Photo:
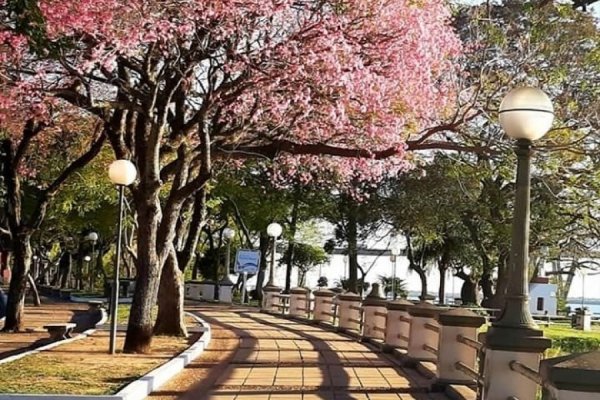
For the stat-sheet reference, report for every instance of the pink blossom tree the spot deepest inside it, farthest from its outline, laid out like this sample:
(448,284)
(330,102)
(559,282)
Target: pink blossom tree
(343,86)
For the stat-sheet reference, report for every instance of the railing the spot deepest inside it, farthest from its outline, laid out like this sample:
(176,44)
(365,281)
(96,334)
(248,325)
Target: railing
(527,372)
(430,349)
(432,327)
(284,302)
(470,372)
(474,344)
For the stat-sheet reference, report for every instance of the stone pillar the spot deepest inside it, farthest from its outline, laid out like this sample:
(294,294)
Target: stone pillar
(374,314)
(349,312)
(397,326)
(208,290)
(424,332)
(504,347)
(269,303)
(457,327)
(193,290)
(572,377)
(323,310)
(299,302)
(225,290)
(583,319)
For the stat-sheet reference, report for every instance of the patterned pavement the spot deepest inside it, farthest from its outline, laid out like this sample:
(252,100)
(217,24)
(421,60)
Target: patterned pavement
(263,357)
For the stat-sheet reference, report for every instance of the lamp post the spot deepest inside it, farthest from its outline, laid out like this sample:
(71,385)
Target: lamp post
(395,252)
(526,114)
(273,230)
(121,173)
(35,266)
(228,234)
(87,260)
(93,238)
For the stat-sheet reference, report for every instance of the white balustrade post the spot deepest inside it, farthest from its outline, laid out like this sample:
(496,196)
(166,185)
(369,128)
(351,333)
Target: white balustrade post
(572,377)
(457,343)
(299,302)
(349,312)
(424,332)
(323,307)
(374,315)
(397,327)
(270,299)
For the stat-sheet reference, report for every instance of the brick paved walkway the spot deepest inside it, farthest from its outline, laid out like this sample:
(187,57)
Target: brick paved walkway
(262,357)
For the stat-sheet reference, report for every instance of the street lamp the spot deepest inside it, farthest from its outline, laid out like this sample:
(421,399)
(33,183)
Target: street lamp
(273,230)
(93,238)
(35,266)
(228,234)
(526,114)
(121,173)
(395,252)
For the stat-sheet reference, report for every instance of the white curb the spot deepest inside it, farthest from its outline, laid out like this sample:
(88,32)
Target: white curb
(141,388)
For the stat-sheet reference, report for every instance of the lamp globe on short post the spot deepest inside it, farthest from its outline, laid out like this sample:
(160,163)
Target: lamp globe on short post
(395,252)
(274,230)
(526,114)
(121,173)
(93,238)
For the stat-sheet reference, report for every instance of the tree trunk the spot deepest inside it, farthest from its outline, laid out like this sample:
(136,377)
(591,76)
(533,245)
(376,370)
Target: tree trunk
(468,292)
(140,326)
(423,278)
(352,238)
(264,247)
(290,253)
(18,284)
(442,288)
(171,319)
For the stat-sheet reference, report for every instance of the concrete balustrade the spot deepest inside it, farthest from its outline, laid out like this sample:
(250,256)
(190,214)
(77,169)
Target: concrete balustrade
(349,312)
(207,290)
(270,299)
(424,332)
(457,343)
(299,302)
(193,290)
(397,326)
(226,290)
(374,315)
(572,377)
(323,305)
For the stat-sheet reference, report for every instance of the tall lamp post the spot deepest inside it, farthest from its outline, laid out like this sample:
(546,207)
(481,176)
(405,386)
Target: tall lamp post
(395,252)
(526,114)
(121,173)
(273,230)
(228,234)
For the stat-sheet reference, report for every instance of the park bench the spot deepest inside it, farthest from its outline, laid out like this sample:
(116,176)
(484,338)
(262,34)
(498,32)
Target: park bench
(60,331)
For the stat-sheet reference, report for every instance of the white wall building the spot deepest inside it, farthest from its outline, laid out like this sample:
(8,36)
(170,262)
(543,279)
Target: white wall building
(542,297)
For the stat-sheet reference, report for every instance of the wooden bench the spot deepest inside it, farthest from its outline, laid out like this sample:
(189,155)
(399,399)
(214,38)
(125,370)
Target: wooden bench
(60,331)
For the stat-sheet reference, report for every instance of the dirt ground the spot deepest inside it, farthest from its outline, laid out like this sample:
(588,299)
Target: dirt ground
(83,366)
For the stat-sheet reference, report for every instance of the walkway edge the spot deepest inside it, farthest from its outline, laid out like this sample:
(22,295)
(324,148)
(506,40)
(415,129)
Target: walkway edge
(150,382)
(84,334)
(141,388)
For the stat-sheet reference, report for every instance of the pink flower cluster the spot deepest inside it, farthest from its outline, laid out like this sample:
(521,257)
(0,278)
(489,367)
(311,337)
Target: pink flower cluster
(351,74)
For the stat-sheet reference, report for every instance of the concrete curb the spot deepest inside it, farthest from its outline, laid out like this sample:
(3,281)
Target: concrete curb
(84,334)
(141,388)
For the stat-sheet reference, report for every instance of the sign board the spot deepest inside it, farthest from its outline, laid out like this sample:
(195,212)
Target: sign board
(247,261)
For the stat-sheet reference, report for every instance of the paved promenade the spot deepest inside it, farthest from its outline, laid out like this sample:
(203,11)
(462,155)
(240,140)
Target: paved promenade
(262,357)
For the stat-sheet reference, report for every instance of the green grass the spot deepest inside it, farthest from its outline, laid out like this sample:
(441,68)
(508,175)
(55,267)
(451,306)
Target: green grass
(567,340)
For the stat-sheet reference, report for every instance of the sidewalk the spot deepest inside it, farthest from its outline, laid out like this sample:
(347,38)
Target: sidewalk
(262,357)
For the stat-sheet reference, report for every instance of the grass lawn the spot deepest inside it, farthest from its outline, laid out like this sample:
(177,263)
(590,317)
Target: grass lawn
(84,367)
(566,340)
